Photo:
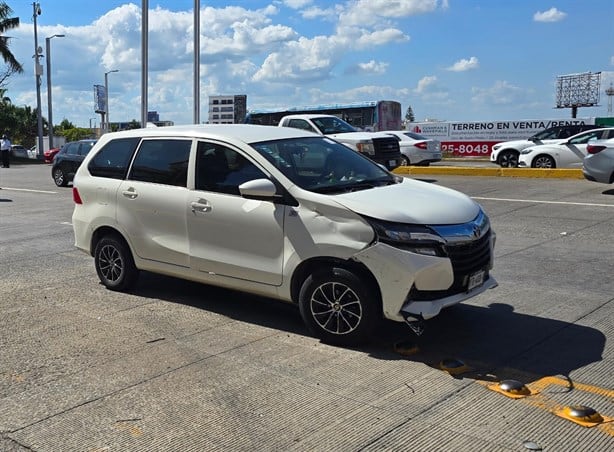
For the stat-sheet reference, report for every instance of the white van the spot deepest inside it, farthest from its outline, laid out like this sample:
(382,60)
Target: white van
(284,213)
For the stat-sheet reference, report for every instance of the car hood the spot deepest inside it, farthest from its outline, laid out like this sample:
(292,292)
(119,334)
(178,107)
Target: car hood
(525,143)
(552,147)
(412,202)
(352,135)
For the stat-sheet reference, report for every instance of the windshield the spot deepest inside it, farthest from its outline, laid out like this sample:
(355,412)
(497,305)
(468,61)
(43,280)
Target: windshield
(329,125)
(415,136)
(323,165)
(548,134)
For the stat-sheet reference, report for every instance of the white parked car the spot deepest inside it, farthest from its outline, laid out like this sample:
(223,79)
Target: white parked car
(416,149)
(507,153)
(284,213)
(565,154)
(598,165)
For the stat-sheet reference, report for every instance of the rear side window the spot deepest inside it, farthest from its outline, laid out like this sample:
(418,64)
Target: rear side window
(86,147)
(113,159)
(162,162)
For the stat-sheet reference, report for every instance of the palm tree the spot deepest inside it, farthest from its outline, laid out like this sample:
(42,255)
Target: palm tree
(8,23)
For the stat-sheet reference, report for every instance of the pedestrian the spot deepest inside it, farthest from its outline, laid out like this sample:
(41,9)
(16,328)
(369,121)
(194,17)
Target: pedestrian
(5,150)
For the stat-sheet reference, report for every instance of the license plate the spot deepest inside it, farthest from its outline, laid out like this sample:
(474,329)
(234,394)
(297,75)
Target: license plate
(392,163)
(475,280)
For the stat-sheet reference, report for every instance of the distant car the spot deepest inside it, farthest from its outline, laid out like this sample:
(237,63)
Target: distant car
(17,150)
(49,154)
(416,149)
(598,165)
(565,154)
(68,160)
(507,153)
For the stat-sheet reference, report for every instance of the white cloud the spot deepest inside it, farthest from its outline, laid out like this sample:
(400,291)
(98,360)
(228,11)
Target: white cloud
(552,15)
(501,93)
(464,65)
(319,13)
(296,4)
(371,12)
(370,68)
(424,83)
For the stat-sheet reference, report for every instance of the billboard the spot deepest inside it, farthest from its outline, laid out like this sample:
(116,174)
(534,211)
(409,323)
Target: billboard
(100,99)
(476,138)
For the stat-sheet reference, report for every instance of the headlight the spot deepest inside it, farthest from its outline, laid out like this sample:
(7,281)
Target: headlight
(496,147)
(366,148)
(411,237)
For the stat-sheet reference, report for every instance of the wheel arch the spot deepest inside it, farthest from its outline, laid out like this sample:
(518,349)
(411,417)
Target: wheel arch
(500,152)
(554,162)
(308,267)
(104,231)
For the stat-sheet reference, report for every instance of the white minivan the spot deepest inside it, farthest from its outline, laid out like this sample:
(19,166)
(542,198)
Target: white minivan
(284,213)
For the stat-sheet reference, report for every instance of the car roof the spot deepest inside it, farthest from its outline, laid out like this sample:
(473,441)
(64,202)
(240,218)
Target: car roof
(246,133)
(310,116)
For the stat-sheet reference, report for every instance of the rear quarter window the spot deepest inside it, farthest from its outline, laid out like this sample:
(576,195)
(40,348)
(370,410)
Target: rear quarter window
(113,158)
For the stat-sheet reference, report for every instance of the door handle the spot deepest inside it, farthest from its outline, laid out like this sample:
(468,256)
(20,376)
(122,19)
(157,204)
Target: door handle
(130,193)
(200,207)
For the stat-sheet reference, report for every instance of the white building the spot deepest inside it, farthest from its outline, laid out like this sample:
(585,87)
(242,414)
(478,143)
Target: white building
(227,109)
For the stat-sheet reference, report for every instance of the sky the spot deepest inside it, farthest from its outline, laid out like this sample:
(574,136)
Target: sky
(454,60)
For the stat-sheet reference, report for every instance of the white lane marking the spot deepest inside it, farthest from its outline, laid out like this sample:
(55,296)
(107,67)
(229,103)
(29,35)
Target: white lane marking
(28,190)
(530,201)
(67,223)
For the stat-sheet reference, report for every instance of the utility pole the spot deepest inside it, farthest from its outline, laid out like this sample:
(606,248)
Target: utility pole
(38,71)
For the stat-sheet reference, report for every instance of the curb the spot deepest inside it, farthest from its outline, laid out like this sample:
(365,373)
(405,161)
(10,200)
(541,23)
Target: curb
(562,173)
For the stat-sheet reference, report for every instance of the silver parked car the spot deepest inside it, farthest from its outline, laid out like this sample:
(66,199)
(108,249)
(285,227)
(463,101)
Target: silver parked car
(598,165)
(416,149)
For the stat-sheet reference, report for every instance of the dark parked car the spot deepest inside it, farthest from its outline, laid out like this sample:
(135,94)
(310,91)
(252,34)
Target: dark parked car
(68,160)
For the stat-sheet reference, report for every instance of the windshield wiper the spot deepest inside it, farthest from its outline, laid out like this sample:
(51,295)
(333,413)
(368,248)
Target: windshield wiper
(354,186)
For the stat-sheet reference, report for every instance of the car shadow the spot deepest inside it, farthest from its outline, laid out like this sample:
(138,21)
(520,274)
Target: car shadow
(609,192)
(494,342)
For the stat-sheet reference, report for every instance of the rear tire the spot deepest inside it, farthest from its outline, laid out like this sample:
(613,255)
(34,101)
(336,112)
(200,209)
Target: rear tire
(59,177)
(543,161)
(338,307)
(114,264)
(508,159)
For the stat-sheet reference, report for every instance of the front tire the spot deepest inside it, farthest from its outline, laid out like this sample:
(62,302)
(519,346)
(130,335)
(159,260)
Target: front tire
(404,161)
(59,177)
(114,264)
(543,161)
(338,307)
(508,159)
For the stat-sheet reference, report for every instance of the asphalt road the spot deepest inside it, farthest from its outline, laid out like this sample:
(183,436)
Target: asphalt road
(176,365)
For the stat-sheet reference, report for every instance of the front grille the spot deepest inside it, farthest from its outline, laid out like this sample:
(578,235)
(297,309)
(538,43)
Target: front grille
(469,257)
(466,258)
(386,148)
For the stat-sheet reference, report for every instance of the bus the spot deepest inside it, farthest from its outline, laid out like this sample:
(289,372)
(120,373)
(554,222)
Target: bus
(371,116)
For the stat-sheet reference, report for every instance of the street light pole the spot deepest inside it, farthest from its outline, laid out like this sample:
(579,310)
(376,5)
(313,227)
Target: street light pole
(106,94)
(196,61)
(38,71)
(49,109)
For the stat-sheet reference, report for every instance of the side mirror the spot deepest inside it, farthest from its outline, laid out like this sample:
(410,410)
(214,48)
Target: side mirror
(258,189)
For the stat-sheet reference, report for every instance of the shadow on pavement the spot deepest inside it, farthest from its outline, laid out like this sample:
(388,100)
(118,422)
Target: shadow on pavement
(496,342)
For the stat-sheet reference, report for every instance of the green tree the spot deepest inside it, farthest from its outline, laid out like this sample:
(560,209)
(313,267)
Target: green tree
(76,133)
(409,115)
(7,23)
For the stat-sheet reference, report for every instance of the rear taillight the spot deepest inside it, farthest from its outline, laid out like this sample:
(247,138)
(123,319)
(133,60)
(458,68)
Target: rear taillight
(75,196)
(594,148)
(421,144)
